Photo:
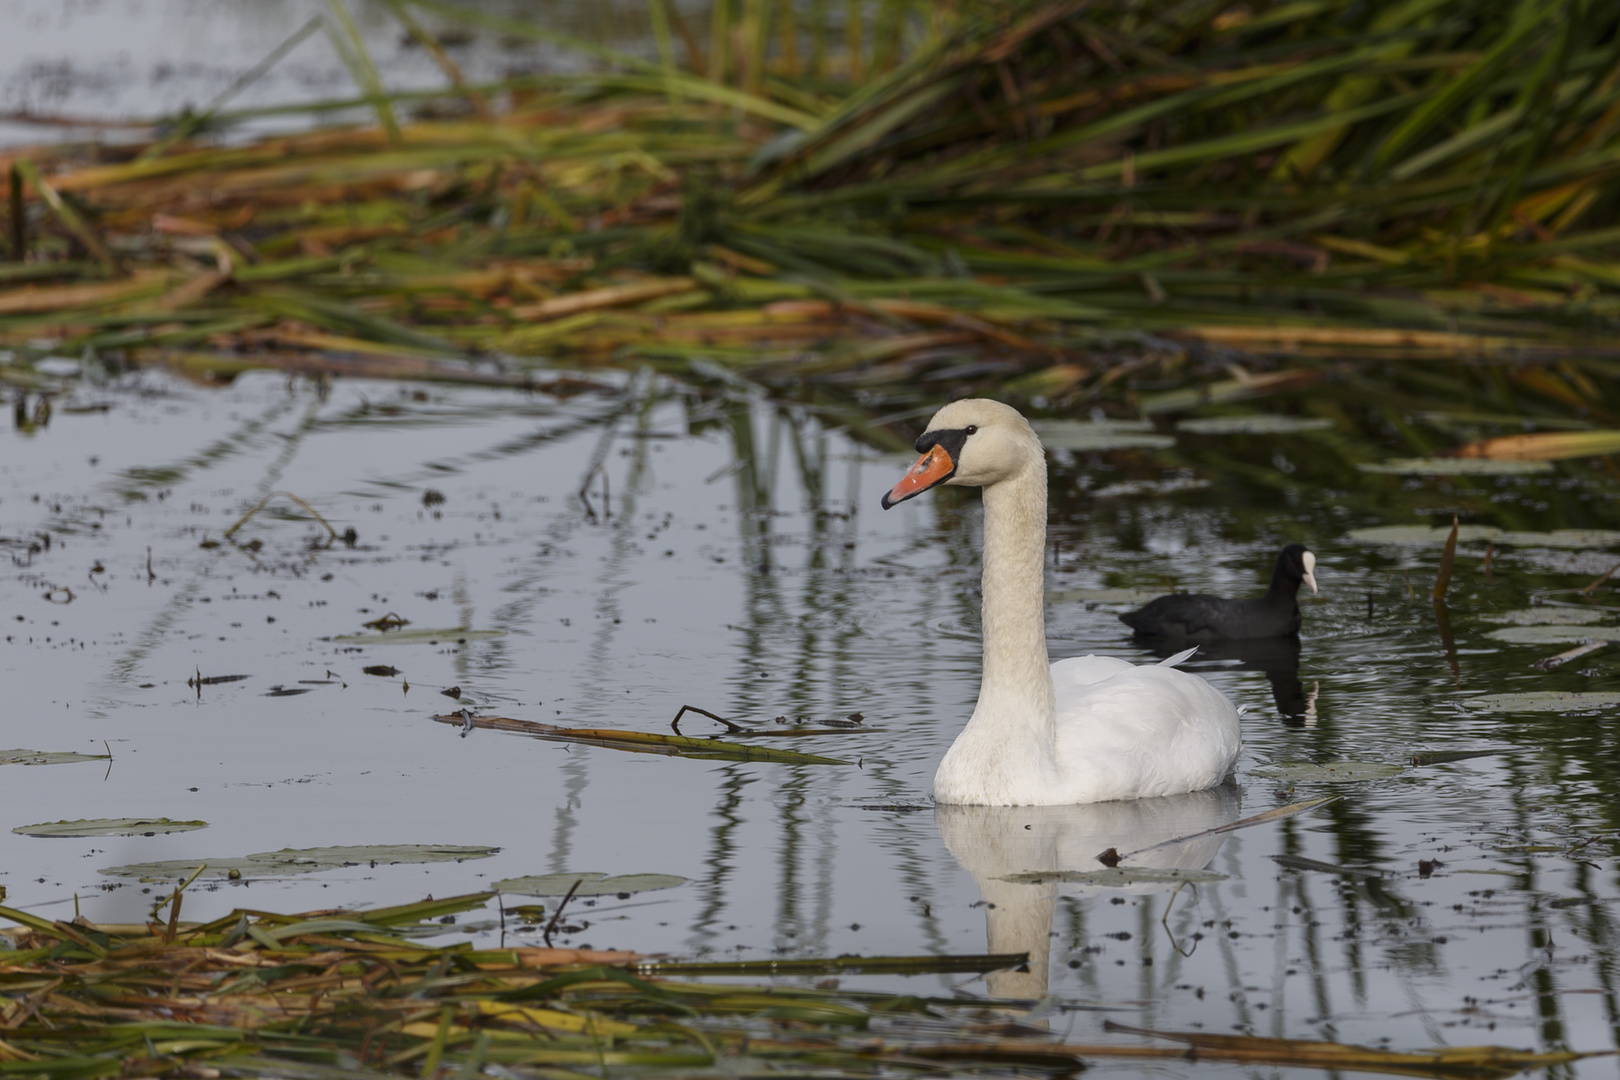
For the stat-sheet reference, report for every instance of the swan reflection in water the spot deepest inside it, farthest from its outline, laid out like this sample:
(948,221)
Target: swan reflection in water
(994,843)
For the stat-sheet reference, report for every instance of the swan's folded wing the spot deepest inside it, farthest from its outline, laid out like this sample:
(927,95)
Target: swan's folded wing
(1145,731)
(1086,670)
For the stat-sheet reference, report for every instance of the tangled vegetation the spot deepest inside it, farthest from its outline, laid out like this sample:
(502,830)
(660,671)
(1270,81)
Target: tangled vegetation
(1061,200)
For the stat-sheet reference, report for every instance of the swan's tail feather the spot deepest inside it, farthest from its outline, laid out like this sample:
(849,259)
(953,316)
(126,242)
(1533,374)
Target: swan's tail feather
(1172,661)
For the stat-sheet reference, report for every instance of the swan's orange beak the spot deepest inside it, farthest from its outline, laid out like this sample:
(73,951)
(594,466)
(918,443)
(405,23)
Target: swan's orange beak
(932,468)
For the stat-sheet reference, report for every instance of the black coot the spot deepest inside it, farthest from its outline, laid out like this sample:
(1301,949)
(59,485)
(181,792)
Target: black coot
(1195,618)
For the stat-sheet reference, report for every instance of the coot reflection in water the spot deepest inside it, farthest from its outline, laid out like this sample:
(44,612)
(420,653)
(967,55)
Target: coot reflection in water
(1277,657)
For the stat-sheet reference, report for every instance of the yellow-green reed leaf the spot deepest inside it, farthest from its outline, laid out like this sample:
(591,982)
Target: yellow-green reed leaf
(351,49)
(1304,158)
(866,135)
(423,910)
(1454,89)
(33,922)
(1246,142)
(65,213)
(1544,446)
(47,757)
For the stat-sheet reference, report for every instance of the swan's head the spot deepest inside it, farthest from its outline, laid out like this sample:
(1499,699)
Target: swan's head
(974,442)
(1297,563)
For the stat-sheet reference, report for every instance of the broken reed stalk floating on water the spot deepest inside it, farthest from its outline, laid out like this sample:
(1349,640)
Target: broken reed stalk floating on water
(1002,196)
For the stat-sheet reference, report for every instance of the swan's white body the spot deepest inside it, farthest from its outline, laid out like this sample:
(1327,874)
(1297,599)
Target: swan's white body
(1088,729)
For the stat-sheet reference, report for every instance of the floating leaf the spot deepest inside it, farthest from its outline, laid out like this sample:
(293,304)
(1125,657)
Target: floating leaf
(590,884)
(1454,467)
(1543,446)
(1149,487)
(1554,635)
(454,635)
(1114,877)
(1311,772)
(110,827)
(47,757)
(1421,534)
(1546,616)
(1256,424)
(289,861)
(1562,538)
(1101,435)
(1561,701)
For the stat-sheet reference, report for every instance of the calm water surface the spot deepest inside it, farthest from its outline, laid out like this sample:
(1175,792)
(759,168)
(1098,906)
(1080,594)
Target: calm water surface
(68,67)
(730,553)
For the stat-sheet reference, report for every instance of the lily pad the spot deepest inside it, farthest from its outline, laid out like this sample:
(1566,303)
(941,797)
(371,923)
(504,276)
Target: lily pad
(1149,487)
(1554,635)
(47,757)
(455,635)
(1422,534)
(1118,876)
(1544,701)
(1563,538)
(590,884)
(1547,616)
(1455,467)
(1255,424)
(1101,435)
(127,826)
(289,861)
(1312,772)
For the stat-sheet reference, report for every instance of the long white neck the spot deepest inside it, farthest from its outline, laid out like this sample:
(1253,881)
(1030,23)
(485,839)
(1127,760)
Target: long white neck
(1016,697)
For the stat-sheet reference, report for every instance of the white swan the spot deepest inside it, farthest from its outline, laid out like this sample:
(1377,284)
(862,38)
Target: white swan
(1087,729)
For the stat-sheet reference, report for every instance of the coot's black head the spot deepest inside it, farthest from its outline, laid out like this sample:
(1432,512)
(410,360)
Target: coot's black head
(1296,563)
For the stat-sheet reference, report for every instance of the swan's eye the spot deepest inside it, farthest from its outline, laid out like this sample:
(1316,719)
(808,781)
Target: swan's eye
(970,429)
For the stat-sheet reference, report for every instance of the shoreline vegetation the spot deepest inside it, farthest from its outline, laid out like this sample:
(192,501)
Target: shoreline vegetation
(1063,202)
(340,995)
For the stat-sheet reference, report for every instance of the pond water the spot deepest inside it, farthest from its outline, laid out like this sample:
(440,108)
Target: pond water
(84,68)
(729,553)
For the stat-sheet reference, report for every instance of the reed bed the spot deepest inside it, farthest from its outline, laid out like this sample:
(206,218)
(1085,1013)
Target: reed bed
(341,995)
(1052,199)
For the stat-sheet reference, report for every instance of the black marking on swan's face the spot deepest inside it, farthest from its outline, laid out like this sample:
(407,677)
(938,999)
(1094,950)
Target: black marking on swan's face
(951,441)
(941,454)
